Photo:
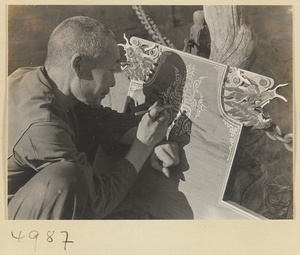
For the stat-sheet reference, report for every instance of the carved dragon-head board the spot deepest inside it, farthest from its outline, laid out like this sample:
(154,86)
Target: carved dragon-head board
(243,96)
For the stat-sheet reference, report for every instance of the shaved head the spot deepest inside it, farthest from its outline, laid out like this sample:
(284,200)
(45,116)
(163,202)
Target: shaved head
(77,35)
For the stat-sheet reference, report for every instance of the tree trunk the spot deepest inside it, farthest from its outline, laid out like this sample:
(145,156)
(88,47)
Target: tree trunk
(233,43)
(232,37)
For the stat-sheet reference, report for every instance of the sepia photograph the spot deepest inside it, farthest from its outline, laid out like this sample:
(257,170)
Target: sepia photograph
(118,113)
(216,79)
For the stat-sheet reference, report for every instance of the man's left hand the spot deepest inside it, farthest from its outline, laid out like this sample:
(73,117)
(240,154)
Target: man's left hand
(164,156)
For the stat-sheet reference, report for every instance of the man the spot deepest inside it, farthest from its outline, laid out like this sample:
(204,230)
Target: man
(56,123)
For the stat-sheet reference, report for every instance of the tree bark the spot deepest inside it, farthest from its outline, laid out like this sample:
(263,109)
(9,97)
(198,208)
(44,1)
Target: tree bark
(233,39)
(233,43)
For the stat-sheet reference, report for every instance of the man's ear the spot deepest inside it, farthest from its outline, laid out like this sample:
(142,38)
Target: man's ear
(76,64)
(81,67)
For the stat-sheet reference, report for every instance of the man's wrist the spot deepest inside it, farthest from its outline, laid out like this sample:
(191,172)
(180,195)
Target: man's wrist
(147,148)
(138,154)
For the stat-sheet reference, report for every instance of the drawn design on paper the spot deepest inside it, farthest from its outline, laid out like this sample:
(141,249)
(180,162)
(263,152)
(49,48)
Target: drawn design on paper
(192,96)
(233,131)
(192,101)
(181,126)
(183,94)
(174,93)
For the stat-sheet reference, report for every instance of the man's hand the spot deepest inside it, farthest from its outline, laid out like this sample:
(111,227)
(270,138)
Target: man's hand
(151,130)
(165,155)
(153,126)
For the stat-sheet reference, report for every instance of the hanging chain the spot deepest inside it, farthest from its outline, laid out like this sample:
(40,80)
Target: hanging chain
(151,27)
(275,134)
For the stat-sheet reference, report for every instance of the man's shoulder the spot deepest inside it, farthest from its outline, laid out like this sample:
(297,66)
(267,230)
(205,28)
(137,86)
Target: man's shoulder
(24,71)
(27,92)
(31,100)
(31,79)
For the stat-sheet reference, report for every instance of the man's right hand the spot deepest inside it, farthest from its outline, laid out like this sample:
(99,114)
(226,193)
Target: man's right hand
(164,156)
(153,126)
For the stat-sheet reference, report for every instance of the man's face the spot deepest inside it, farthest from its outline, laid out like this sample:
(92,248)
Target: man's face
(95,85)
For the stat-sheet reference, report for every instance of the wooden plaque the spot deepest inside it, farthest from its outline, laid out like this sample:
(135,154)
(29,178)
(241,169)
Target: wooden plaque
(211,102)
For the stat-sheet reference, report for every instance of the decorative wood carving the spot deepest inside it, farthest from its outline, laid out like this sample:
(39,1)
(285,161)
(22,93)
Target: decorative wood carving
(211,103)
(201,91)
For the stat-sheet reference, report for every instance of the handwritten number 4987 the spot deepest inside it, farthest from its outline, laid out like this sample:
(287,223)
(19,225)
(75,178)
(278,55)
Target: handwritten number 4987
(34,235)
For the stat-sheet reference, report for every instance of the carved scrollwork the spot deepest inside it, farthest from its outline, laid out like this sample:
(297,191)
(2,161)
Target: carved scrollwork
(245,94)
(141,60)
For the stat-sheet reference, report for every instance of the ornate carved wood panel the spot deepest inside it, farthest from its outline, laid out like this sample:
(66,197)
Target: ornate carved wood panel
(210,103)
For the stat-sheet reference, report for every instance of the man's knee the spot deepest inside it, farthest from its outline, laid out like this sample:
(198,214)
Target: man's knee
(66,175)
(59,191)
